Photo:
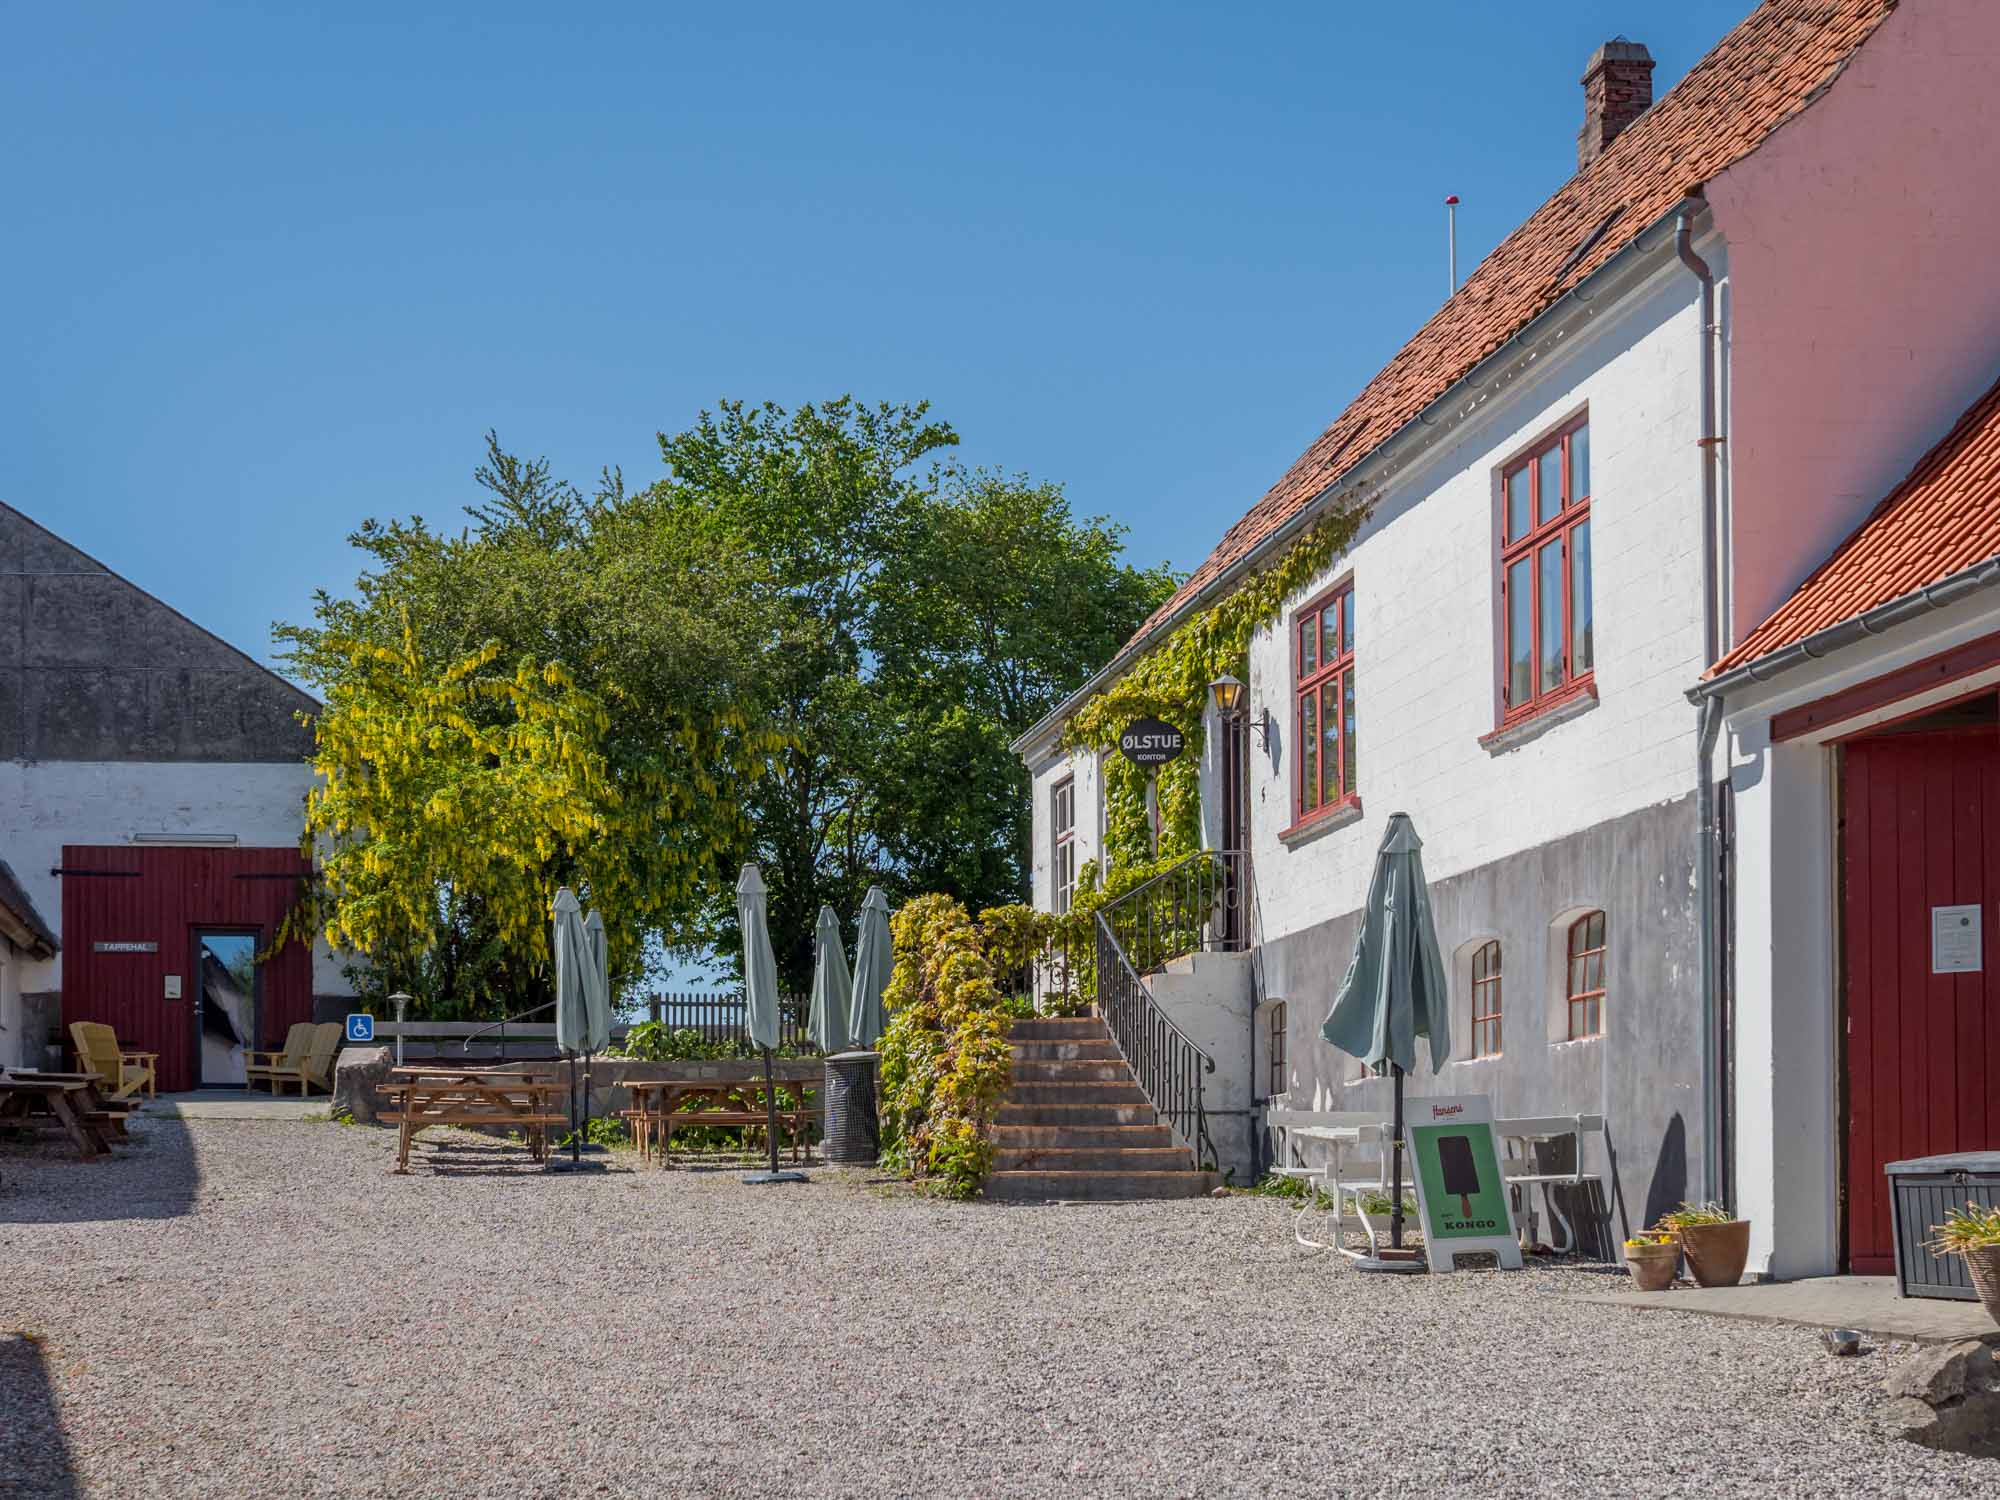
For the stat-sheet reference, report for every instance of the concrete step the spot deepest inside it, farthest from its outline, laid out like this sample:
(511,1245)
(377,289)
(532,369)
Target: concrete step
(1099,1186)
(1105,1050)
(1087,1159)
(1126,1092)
(1060,1029)
(1064,1116)
(1082,1137)
(1072,1070)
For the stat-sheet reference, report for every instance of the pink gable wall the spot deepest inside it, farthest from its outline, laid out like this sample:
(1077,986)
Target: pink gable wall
(1864,288)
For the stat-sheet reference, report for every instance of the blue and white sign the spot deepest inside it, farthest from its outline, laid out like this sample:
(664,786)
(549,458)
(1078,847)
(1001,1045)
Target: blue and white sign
(360,1028)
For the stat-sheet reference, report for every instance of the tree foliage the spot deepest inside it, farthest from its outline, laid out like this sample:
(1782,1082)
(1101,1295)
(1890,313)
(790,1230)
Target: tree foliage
(809,643)
(930,616)
(565,692)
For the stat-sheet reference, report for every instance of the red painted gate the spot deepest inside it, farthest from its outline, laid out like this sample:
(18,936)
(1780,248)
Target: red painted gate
(1920,830)
(129,918)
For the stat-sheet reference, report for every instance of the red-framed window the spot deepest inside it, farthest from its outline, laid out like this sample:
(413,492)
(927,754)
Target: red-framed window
(1323,712)
(1486,1001)
(1586,976)
(1548,626)
(1062,844)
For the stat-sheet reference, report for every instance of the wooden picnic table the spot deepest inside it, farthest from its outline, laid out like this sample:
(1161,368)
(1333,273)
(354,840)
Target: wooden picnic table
(71,1100)
(658,1105)
(435,1094)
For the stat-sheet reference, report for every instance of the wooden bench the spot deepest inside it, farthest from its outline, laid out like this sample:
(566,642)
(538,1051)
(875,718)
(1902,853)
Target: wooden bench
(481,1097)
(654,1119)
(33,1102)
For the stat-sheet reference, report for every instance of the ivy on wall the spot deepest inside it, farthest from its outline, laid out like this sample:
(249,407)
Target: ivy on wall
(1170,682)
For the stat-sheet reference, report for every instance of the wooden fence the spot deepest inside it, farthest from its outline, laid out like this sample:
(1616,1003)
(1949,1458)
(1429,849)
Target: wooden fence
(723,1020)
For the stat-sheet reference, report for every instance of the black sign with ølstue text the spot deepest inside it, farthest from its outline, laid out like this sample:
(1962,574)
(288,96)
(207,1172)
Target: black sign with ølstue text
(1149,742)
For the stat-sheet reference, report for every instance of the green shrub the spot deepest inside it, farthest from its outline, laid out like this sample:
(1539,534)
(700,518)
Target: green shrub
(946,1058)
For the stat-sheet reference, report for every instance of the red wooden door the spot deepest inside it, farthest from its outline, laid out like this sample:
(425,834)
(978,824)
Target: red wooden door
(130,915)
(1921,829)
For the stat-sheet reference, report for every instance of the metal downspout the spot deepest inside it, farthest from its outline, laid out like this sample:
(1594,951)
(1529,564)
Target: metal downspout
(1710,721)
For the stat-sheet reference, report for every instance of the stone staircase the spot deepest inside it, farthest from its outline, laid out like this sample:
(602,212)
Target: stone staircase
(1075,1123)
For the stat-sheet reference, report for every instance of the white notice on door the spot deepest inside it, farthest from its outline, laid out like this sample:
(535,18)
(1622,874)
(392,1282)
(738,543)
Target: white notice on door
(1954,939)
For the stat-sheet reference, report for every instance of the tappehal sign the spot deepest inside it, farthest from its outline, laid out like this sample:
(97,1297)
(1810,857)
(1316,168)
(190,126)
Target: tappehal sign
(1149,742)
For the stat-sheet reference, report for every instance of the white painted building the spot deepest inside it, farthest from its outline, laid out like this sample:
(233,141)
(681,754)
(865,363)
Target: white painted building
(152,800)
(1757,303)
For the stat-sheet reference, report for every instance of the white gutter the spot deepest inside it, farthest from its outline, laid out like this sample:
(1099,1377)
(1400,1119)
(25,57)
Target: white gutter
(1822,643)
(1468,394)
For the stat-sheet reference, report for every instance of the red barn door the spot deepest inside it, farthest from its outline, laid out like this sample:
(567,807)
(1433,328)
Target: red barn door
(1920,832)
(130,917)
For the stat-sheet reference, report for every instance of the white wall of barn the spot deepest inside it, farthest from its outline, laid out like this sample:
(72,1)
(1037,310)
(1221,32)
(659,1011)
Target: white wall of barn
(47,804)
(1426,589)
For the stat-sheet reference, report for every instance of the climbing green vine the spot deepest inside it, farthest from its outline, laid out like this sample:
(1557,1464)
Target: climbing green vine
(1170,681)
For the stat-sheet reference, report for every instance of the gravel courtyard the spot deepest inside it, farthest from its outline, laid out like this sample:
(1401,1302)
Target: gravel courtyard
(250,1309)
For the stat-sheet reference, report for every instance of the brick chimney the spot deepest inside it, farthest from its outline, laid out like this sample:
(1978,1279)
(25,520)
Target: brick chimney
(1617,89)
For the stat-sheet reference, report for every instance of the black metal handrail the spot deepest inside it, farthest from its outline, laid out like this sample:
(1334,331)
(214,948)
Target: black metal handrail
(1167,1063)
(1199,904)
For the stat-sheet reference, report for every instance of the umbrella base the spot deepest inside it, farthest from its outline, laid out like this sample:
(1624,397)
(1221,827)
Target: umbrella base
(564,1164)
(1413,1262)
(762,1177)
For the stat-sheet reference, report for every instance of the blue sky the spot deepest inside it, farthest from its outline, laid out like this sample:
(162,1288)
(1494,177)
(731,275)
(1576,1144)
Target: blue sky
(273,269)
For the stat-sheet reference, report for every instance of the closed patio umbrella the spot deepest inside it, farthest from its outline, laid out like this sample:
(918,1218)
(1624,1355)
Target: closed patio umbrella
(833,986)
(576,979)
(1394,989)
(874,955)
(760,1001)
(597,992)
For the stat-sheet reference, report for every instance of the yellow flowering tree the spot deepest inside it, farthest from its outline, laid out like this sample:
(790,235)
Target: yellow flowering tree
(495,784)
(567,692)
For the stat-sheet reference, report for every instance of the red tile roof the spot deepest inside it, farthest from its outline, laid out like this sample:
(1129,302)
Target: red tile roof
(1943,518)
(1760,75)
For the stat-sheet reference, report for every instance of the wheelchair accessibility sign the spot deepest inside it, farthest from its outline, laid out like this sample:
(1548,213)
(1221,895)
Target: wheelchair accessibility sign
(360,1028)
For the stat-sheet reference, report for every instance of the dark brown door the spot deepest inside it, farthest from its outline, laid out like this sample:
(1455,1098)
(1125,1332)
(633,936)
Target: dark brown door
(1920,854)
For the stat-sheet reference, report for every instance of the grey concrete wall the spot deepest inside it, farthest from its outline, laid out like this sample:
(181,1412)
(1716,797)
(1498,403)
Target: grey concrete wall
(1643,1074)
(42,1026)
(1210,996)
(93,668)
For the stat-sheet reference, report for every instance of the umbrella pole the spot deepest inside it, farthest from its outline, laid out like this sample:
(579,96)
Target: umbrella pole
(575,1129)
(770,1112)
(1396,1166)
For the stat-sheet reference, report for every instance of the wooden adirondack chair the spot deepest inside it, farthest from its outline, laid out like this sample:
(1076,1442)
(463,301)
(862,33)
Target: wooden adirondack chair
(287,1065)
(325,1049)
(123,1073)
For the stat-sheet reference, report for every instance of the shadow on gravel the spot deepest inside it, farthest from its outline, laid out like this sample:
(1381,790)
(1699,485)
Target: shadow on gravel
(466,1158)
(151,1175)
(34,1458)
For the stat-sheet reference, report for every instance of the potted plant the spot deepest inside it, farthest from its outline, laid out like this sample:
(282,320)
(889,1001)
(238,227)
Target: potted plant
(1974,1233)
(1716,1241)
(1652,1256)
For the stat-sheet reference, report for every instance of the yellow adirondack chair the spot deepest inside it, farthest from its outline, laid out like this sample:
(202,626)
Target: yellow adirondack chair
(122,1073)
(287,1065)
(325,1049)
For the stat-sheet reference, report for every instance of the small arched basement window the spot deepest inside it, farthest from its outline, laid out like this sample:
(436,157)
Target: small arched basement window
(1586,976)
(1486,1001)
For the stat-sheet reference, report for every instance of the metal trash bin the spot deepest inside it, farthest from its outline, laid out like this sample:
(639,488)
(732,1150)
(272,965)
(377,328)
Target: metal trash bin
(853,1136)
(1921,1192)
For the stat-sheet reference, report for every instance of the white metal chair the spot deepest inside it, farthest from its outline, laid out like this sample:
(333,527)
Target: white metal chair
(1520,1137)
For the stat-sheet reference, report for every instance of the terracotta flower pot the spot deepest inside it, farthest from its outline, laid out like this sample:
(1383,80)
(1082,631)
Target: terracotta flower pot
(1982,1264)
(1653,1265)
(1717,1252)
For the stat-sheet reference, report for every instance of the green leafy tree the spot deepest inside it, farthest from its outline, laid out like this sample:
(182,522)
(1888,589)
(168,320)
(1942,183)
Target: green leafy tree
(564,692)
(930,616)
